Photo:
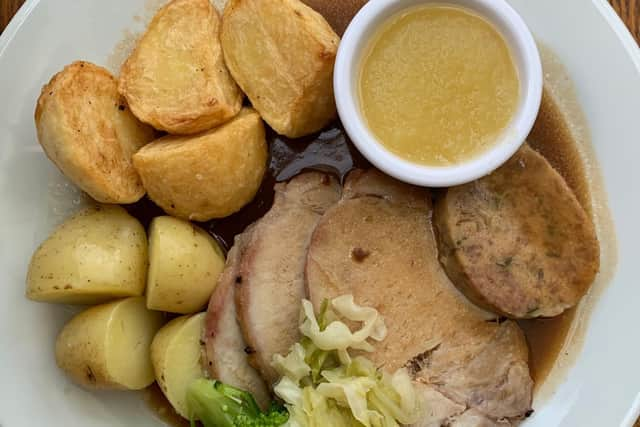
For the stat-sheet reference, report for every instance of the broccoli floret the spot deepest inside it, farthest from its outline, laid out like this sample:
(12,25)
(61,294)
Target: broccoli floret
(220,405)
(277,415)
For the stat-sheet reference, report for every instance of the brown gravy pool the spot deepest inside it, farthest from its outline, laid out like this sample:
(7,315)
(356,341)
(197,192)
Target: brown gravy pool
(552,138)
(161,407)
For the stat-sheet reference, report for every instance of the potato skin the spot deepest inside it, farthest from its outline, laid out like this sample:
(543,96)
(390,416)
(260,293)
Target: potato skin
(184,265)
(176,79)
(88,132)
(281,53)
(206,176)
(176,353)
(108,346)
(96,255)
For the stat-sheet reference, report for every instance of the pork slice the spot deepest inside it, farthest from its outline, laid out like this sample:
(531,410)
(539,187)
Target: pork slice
(437,408)
(484,369)
(224,344)
(272,267)
(377,244)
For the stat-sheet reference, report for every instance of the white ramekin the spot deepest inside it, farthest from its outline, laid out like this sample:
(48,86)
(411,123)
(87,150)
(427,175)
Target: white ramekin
(346,74)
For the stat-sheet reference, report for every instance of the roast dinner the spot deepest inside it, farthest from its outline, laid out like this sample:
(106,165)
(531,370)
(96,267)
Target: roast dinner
(249,253)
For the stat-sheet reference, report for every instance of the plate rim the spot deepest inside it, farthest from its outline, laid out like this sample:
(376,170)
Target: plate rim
(16,22)
(604,8)
(631,46)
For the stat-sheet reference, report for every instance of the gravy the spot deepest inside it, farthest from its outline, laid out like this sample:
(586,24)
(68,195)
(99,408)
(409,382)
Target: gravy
(161,407)
(552,138)
(438,85)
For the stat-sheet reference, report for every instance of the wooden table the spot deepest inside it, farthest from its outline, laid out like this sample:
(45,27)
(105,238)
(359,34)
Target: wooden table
(629,11)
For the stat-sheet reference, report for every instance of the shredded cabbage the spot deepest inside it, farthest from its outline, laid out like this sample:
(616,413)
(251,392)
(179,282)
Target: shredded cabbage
(293,366)
(323,385)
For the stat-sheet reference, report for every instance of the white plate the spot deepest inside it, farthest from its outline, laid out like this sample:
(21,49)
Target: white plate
(602,60)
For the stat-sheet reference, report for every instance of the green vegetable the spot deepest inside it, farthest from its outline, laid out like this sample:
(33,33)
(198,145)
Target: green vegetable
(220,405)
(323,385)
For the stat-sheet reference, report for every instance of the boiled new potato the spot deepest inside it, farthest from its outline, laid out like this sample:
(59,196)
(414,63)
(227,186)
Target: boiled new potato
(97,255)
(175,354)
(108,346)
(209,175)
(281,53)
(184,265)
(87,130)
(176,79)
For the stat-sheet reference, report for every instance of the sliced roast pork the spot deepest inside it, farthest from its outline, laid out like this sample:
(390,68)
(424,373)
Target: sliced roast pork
(271,278)
(226,351)
(377,244)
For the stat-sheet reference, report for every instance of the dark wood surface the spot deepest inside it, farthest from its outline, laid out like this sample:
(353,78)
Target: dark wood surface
(629,11)
(7,9)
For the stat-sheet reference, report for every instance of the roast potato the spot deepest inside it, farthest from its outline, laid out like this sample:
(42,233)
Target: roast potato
(176,79)
(175,353)
(184,265)
(97,255)
(87,130)
(210,175)
(281,53)
(107,346)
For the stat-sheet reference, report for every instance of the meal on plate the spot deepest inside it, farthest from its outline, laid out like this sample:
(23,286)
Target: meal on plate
(243,255)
